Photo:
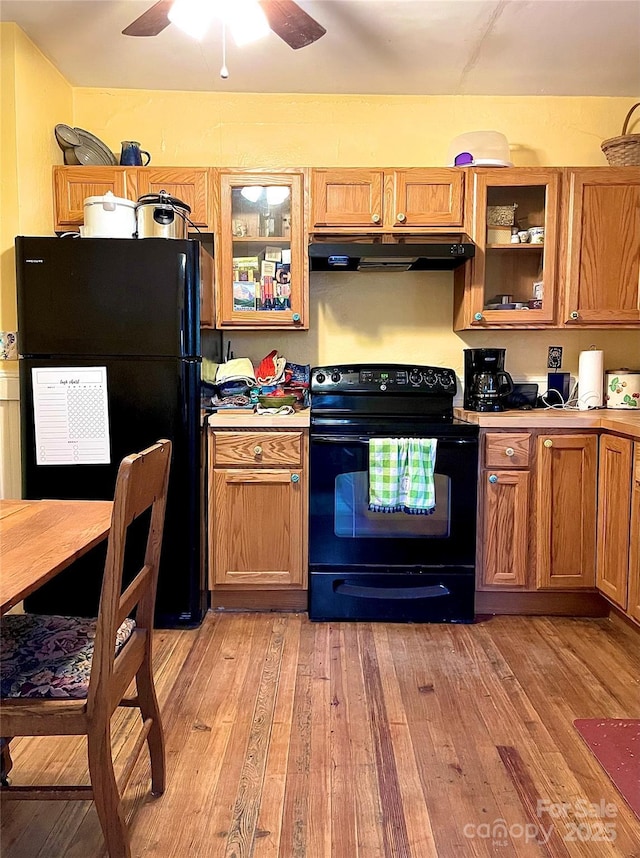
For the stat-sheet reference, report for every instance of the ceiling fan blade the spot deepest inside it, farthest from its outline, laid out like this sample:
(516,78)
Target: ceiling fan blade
(291,23)
(151,22)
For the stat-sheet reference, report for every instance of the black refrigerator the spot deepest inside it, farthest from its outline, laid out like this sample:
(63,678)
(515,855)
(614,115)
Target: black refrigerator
(110,359)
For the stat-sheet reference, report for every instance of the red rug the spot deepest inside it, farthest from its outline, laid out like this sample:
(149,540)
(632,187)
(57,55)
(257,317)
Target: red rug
(615,743)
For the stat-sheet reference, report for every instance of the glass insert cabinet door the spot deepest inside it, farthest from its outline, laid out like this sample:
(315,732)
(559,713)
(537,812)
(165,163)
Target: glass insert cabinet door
(515,226)
(262,269)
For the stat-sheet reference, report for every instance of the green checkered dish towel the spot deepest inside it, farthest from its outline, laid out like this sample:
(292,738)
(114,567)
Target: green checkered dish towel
(401,475)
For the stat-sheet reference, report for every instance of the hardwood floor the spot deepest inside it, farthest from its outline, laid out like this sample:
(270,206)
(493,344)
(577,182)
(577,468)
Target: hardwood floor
(288,739)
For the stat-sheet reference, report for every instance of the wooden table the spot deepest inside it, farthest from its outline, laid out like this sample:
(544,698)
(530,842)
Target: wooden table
(39,538)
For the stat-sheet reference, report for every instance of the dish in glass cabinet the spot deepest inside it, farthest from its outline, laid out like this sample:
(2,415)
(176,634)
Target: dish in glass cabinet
(100,149)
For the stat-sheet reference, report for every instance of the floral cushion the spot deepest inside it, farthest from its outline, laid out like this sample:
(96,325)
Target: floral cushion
(48,656)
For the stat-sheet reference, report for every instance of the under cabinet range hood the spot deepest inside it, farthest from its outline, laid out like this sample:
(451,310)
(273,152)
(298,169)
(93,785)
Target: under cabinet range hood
(389,252)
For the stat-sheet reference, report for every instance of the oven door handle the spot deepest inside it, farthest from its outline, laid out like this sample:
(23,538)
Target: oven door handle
(430,591)
(361,439)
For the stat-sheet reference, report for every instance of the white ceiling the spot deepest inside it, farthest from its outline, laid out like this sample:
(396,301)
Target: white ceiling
(431,47)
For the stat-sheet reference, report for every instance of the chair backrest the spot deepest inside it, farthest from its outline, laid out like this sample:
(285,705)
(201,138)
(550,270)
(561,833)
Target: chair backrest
(141,483)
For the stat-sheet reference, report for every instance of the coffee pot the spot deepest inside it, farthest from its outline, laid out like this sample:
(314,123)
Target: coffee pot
(131,154)
(490,388)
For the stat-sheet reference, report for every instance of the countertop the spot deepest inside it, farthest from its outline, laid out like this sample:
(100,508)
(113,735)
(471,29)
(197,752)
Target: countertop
(625,422)
(252,420)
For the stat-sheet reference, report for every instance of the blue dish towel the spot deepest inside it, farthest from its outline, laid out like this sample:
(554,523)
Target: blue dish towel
(401,475)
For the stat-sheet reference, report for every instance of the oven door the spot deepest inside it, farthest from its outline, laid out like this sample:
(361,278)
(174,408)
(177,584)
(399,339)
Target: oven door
(343,532)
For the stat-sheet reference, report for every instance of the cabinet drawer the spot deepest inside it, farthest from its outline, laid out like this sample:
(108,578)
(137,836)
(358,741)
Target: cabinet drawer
(257,448)
(507,450)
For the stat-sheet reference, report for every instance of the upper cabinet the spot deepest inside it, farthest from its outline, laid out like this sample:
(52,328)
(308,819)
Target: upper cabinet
(188,184)
(602,247)
(71,185)
(512,215)
(387,200)
(262,269)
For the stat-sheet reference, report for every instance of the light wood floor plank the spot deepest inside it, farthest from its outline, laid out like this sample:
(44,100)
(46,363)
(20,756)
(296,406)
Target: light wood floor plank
(292,739)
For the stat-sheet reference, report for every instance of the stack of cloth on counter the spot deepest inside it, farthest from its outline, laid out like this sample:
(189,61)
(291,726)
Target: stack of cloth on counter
(236,386)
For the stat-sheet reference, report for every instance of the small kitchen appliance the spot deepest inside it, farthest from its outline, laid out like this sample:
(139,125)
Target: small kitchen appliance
(161,216)
(389,565)
(486,384)
(108,216)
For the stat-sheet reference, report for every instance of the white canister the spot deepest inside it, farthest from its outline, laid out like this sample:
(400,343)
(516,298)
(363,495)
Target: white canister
(623,388)
(109,217)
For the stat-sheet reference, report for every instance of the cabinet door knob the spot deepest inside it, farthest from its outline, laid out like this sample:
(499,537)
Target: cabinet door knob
(478,317)
(401,217)
(257,450)
(574,314)
(295,478)
(375,218)
(548,442)
(296,317)
(509,451)
(493,478)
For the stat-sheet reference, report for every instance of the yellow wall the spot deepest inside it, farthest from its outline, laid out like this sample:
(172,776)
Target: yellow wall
(35,97)
(353,317)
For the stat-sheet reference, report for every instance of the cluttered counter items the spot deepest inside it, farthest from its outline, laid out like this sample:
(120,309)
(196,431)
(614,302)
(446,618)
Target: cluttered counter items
(274,387)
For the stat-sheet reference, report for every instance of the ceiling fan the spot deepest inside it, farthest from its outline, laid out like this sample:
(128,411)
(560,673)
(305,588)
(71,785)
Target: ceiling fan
(286,19)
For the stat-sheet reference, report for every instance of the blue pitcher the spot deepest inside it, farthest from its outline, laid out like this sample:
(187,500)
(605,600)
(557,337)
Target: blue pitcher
(131,154)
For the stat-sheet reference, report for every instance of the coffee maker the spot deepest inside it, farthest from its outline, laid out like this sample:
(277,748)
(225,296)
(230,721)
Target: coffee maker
(486,384)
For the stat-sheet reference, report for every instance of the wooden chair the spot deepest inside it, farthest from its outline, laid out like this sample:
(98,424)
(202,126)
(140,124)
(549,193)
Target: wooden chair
(122,652)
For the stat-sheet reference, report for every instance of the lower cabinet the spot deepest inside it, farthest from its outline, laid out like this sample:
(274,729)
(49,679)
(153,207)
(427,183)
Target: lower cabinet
(615,521)
(538,508)
(565,511)
(633,606)
(257,510)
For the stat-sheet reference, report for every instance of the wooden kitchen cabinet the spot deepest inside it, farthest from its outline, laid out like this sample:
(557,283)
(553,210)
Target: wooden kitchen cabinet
(394,200)
(601,270)
(504,509)
(537,502)
(614,516)
(526,272)
(258,510)
(565,511)
(262,266)
(188,184)
(72,184)
(505,527)
(633,605)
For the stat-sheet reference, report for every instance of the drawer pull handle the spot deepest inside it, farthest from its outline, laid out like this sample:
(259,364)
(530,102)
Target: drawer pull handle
(509,451)
(295,478)
(478,317)
(493,478)
(375,218)
(296,317)
(401,217)
(548,442)
(257,450)
(573,315)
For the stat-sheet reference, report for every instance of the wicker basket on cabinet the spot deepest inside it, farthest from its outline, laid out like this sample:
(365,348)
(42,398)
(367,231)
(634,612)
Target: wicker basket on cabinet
(623,151)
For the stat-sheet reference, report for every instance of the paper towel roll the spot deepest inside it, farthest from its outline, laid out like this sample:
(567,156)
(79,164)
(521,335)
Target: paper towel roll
(590,379)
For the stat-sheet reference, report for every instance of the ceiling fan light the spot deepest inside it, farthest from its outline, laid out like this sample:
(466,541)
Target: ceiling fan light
(277,194)
(193,17)
(252,192)
(246,20)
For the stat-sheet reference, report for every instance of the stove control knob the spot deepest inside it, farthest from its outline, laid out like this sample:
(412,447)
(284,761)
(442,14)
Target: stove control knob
(320,377)
(335,377)
(383,387)
(431,378)
(445,379)
(415,376)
